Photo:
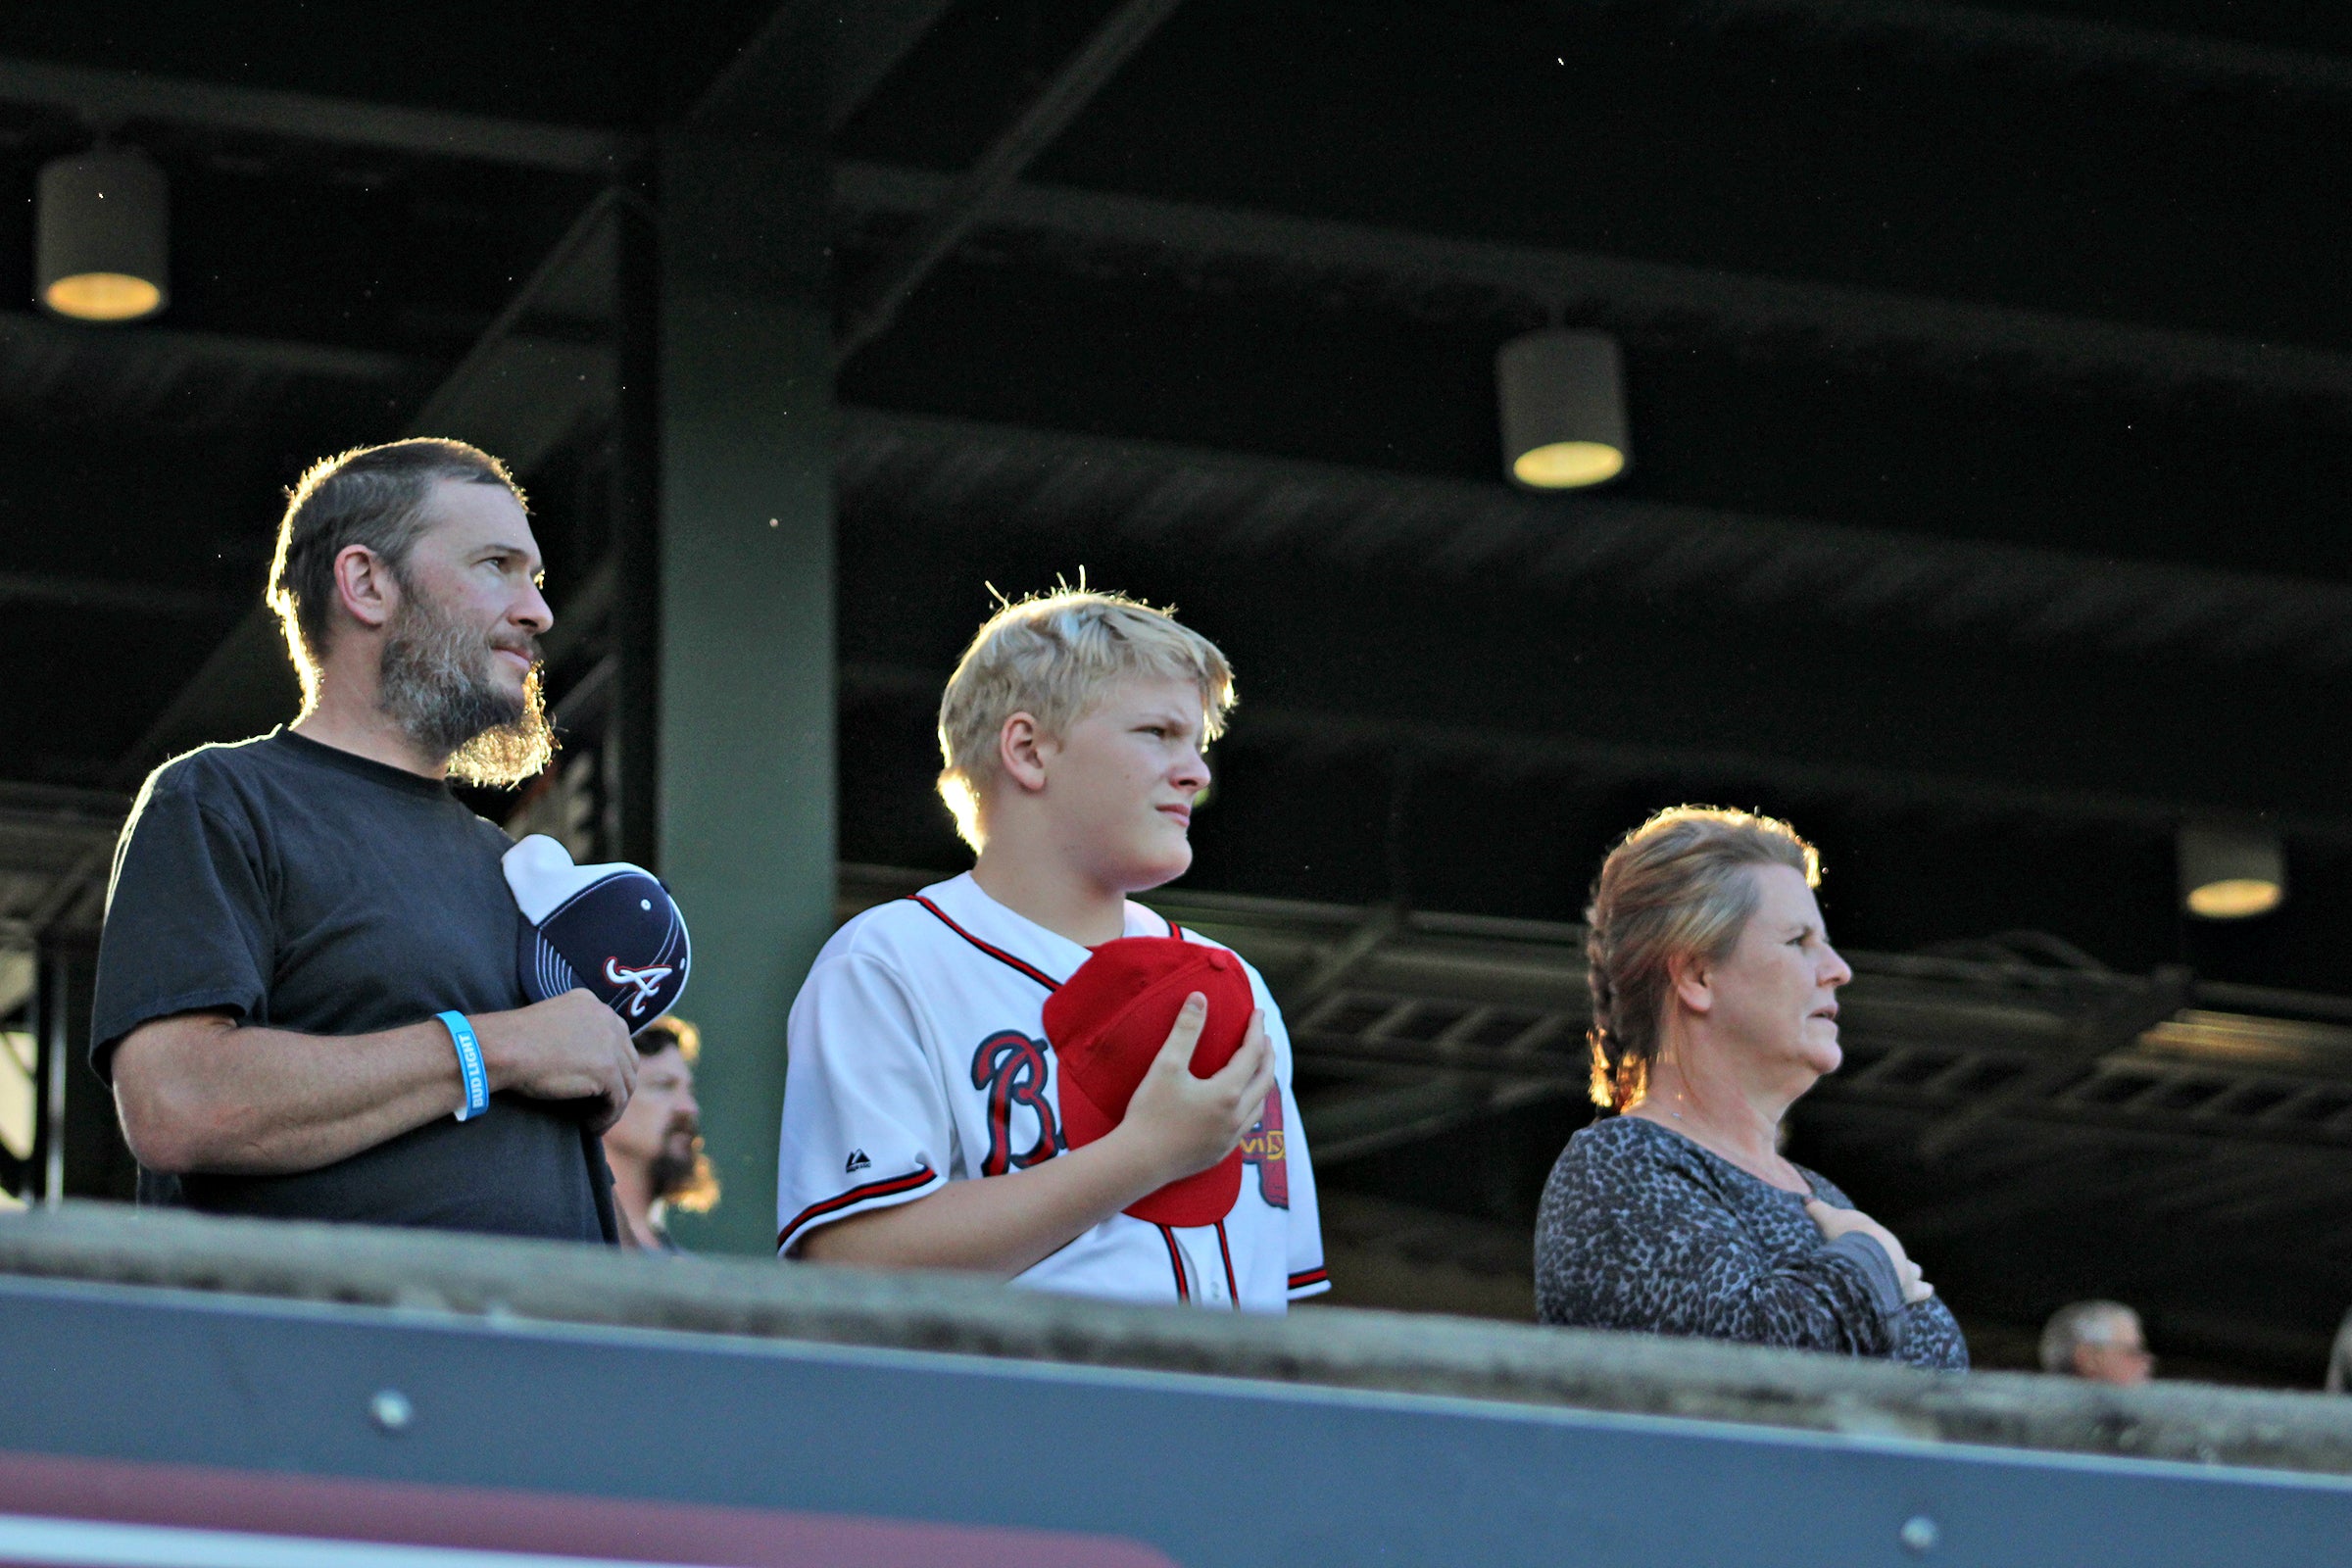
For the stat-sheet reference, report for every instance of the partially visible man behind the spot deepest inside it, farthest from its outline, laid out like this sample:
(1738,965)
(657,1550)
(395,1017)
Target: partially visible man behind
(2098,1341)
(656,1149)
(309,940)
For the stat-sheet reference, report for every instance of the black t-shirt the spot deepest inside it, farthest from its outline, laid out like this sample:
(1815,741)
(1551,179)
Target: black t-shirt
(304,888)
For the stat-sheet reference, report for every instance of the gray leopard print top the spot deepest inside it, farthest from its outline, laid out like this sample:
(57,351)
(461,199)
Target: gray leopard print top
(1643,1229)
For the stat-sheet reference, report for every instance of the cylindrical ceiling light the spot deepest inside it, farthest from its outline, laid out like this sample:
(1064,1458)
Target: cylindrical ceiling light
(1563,397)
(2229,871)
(100,229)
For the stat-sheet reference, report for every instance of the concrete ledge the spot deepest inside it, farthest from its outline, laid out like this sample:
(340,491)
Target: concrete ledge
(1462,1359)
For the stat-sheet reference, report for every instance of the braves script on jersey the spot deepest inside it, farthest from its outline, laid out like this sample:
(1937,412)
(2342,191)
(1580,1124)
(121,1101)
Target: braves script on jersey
(920,1057)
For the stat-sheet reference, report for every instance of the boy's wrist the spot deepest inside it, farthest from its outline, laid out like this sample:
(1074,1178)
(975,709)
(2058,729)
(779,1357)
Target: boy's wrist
(1129,1149)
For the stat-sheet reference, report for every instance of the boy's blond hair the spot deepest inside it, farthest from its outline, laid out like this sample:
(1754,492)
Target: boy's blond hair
(1052,656)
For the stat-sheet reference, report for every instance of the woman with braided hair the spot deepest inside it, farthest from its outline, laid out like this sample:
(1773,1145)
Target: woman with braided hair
(1714,1007)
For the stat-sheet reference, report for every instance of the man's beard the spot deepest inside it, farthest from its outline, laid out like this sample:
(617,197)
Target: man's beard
(435,684)
(682,1171)
(669,1171)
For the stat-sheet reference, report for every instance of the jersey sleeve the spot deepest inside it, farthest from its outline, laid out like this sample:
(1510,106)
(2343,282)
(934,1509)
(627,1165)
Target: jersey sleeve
(1306,1274)
(866,1125)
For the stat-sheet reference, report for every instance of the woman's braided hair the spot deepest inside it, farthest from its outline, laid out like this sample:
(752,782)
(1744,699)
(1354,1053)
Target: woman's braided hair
(1675,885)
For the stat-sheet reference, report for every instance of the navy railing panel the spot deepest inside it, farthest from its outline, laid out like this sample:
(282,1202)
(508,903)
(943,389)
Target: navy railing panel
(1213,1472)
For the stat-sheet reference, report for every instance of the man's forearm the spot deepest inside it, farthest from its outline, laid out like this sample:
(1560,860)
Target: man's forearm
(998,1225)
(199,1094)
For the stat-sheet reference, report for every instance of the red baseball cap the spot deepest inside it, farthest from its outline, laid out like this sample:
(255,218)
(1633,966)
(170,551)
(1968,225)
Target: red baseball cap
(1107,1022)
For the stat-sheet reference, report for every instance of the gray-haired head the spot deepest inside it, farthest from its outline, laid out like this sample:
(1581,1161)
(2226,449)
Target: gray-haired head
(2081,1323)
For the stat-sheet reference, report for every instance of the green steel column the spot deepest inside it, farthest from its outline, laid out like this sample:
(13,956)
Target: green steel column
(744,774)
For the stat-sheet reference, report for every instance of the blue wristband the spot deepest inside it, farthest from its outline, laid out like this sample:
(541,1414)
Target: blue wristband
(470,1065)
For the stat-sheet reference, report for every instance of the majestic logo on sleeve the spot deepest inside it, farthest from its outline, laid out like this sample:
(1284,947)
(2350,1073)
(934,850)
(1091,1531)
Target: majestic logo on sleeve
(1261,1146)
(1011,1067)
(647,980)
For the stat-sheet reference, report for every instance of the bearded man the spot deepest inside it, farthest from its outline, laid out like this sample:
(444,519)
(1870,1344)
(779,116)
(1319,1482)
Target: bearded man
(309,1001)
(656,1149)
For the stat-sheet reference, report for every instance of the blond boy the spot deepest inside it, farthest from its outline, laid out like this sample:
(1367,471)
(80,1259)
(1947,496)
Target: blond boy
(922,1122)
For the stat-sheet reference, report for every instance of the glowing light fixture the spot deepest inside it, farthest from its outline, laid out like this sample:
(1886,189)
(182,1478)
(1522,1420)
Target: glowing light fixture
(1562,398)
(2231,872)
(100,229)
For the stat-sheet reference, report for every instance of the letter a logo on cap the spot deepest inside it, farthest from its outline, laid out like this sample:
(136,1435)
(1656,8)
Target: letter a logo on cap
(611,930)
(646,980)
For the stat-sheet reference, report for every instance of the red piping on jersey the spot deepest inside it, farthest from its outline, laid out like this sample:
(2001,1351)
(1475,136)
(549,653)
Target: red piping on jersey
(1184,1292)
(888,1187)
(1318,1275)
(1233,1292)
(998,954)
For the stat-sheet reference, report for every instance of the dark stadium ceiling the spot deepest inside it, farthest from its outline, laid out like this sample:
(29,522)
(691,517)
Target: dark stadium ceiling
(1991,383)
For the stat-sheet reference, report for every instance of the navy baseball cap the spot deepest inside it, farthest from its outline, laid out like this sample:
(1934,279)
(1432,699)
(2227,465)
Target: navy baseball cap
(611,930)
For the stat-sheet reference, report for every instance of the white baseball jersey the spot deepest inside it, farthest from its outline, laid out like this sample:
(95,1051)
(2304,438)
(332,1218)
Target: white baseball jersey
(920,1057)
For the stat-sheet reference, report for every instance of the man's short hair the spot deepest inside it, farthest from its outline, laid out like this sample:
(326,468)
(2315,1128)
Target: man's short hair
(2080,1323)
(372,496)
(666,1031)
(1052,656)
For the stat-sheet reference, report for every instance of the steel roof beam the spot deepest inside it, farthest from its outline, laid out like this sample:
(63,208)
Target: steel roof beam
(1959,338)
(859,44)
(2022,40)
(965,200)
(2111,1023)
(868,43)
(1371,1121)
(112,97)
(2064,1129)
(1540,752)
(1058,481)
(326,360)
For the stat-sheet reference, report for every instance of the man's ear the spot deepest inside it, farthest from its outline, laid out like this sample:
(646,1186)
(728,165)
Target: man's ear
(363,586)
(1022,752)
(1691,981)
